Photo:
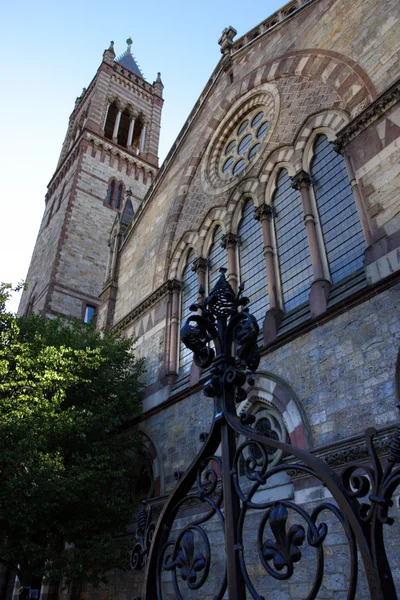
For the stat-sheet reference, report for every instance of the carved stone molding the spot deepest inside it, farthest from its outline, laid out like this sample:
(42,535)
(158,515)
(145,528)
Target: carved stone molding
(300,180)
(166,288)
(344,452)
(370,114)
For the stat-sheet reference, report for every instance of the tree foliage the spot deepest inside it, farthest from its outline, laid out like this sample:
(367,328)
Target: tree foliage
(66,455)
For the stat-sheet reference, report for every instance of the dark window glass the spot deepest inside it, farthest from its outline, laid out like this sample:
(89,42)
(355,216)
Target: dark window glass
(341,228)
(89,313)
(110,193)
(110,121)
(292,246)
(118,197)
(217,258)
(189,297)
(252,263)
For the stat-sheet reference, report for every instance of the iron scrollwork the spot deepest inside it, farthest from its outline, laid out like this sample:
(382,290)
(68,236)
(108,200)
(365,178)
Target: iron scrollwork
(231,480)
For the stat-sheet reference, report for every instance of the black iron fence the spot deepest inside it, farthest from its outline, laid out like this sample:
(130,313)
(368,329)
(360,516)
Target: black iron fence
(227,483)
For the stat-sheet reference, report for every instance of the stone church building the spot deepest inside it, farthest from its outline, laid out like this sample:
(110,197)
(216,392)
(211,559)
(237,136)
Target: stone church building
(286,173)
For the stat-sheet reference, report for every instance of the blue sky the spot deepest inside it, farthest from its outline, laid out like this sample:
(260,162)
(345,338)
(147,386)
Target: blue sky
(50,51)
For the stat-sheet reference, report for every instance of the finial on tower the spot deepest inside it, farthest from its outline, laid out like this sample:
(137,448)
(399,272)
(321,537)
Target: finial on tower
(109,54)
(158,85)
(129,42)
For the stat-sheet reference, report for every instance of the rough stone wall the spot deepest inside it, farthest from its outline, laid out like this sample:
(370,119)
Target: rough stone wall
(47,244)
(339,66)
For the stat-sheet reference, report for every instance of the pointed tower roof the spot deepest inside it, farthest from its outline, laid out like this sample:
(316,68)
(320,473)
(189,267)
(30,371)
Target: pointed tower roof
(128,61)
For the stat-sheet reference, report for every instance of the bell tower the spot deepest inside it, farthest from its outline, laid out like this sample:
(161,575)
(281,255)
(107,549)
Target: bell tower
(110,152)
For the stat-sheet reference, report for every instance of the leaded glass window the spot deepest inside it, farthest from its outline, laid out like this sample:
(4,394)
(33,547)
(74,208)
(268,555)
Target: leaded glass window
(110,193)
(252,262)
(341,228)
(118,197)
(189,297)
(217,258)
(243,144)
(295,266)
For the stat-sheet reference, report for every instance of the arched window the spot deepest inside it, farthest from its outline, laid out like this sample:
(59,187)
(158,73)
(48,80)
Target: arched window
(110,193)
(217,257)
(252,263)
(118,197)
(110,121)
(124,128)
(340,225)
(294,259)
(189,297)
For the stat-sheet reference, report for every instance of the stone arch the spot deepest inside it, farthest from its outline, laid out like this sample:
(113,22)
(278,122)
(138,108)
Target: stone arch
(273,173)
(249,188)
(276,392)
(329,122)
(335,69)
(216,216)
(189,240)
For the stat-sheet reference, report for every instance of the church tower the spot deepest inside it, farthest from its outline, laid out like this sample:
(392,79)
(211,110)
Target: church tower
(110,153)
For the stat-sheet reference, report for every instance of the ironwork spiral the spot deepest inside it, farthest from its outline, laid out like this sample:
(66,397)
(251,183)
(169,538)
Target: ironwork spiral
(232,489)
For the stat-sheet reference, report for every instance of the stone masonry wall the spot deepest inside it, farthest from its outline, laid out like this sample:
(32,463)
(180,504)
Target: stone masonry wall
(336,62)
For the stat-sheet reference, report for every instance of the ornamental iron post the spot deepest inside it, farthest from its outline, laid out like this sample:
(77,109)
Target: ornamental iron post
(224,335)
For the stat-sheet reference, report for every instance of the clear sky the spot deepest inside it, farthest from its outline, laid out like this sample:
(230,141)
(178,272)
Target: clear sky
(51,50)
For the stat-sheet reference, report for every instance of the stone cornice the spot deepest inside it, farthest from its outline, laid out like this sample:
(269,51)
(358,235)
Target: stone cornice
(166,288)
(339,454)
(370,114)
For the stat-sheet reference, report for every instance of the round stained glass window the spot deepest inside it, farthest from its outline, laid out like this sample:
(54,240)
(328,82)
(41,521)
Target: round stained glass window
(245,143)
(238,167)
(243,126)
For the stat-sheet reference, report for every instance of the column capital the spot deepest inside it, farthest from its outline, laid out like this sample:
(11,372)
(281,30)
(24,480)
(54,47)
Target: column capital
(229,240)
(300,180)
(264,211)
(200,264)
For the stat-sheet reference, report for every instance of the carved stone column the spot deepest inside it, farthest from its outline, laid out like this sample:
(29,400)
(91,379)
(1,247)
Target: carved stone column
(106,115)
(230,242)
(200,266)
(116,125)
(173,348)
(130,132)
(274,314)
(355,188)
(320,287)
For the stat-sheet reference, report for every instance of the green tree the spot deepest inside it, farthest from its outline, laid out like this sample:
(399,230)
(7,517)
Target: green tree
(67,395)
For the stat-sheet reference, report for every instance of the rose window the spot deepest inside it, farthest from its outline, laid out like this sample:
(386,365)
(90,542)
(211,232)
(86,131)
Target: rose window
(244,143)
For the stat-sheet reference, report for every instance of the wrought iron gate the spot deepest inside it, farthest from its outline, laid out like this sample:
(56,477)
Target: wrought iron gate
(228,485)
